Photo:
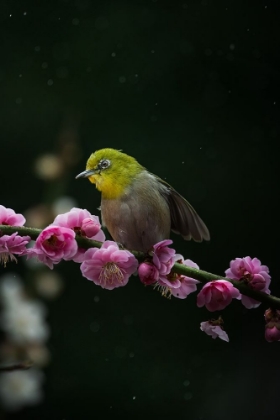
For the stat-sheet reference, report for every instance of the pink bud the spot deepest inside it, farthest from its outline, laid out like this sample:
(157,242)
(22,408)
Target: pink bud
(90,227)
(272,333)
(148,273)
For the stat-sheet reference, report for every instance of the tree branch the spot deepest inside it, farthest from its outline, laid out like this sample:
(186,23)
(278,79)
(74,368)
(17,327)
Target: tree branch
(202,276)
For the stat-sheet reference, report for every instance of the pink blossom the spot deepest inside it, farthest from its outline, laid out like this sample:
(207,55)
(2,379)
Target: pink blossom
(214,330)
(54,244)
(108,267)
(216,295)
(176,284)
(188,284)
(9,217)
(11,245)
(163,257)
(148,273)
(253,273)
(272,327)
(84,224)
(272,333)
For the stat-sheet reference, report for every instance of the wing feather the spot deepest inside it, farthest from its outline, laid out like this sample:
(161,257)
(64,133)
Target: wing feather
(184,219)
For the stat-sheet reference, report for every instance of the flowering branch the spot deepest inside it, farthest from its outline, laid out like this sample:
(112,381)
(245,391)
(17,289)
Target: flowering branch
(200,275)
(17,366)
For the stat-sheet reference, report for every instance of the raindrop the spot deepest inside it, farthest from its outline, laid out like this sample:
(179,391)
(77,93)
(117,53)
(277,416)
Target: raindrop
(44,65)
(24,13)
(113,54)
(152,51)
(131,355)
(96,299)
(153,118)
(37,48)
(18,101)
(50,82)
(134,398)
(20,75)
(232,47)
(186,382)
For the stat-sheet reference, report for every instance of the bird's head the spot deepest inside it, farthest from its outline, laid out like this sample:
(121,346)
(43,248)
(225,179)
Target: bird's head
(111,171)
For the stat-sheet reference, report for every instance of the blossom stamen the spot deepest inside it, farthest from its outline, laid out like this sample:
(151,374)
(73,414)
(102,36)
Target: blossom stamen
(5,257)
(111,272)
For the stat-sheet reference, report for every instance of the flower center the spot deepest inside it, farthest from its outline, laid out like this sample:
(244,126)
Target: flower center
(111,273)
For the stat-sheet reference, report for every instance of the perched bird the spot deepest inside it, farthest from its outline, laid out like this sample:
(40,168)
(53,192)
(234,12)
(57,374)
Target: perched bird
(138,208)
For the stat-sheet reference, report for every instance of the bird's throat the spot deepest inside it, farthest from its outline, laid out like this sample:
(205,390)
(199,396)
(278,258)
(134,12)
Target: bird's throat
(108,186)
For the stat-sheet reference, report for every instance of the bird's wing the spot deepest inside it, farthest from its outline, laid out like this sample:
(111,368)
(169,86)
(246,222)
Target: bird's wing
(184,219)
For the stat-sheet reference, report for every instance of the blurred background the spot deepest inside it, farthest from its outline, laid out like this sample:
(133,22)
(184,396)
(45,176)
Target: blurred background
(191,90)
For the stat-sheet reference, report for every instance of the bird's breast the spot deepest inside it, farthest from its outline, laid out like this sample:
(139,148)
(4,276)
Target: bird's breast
(140,217)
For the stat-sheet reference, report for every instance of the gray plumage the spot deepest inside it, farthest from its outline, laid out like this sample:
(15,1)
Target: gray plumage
(134,220)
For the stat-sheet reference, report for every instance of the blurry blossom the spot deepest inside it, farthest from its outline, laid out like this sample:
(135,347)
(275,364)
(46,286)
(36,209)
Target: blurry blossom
(48,284)
(48,167)
(20,388)
(23,323)
(25,333)
(63,205)
(22,318)
(38,216)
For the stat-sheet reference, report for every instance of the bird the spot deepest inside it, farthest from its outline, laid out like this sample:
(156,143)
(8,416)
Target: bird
(138,208)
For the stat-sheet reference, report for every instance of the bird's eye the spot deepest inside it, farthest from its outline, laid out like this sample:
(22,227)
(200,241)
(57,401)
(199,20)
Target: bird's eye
(103,164)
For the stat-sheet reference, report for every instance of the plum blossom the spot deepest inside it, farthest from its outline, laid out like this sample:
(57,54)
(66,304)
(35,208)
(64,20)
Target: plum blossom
(108,267)
(213,329)
(163,257)
(11,245)
(21,388)
(84,224)
(54,244)
(11,289)
(272,333)
(23,320)
(188,284)
(9,217)
(253,273)
(272,327)
(175,284)
(216,295)
(148,273)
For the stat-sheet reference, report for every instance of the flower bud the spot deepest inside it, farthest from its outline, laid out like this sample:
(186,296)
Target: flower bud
(148,273)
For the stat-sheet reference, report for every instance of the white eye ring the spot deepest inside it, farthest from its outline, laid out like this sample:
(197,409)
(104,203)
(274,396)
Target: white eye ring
(103,164)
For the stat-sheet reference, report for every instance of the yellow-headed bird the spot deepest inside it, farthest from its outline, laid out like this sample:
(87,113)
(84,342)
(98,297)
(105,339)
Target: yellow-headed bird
(138,208)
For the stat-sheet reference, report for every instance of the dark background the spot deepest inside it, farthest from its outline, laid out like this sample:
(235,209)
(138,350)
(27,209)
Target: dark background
(190,89)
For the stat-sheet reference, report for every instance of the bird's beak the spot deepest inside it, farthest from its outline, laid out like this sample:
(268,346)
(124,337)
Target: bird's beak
(86,174)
